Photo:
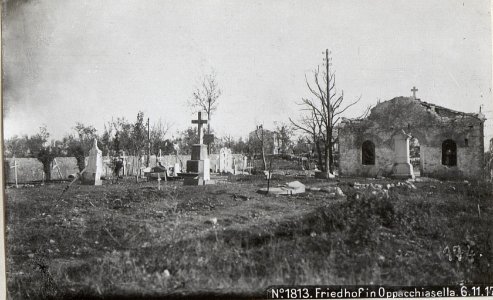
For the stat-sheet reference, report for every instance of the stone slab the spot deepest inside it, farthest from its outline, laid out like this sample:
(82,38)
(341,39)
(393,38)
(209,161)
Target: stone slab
(199,152)
(298,186)
(292,188)
(333,190)
(195,166)
(402,170)
(279,191)
(202,167)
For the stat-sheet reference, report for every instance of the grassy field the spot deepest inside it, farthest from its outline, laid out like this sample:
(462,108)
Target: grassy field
(131,239)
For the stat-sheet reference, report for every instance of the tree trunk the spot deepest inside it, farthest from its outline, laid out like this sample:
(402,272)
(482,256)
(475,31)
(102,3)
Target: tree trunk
(209,124)
(47,170)
(330,158)
(326,159)
(319,152)
(208,132)
(263,155)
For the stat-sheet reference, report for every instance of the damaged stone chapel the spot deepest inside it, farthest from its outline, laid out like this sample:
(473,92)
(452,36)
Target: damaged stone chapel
(406,137)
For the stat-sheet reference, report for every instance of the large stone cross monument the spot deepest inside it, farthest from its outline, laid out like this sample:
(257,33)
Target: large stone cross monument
(199,123)
(198,168)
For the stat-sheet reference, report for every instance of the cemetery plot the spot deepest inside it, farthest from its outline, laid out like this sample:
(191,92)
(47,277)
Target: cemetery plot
(129,238)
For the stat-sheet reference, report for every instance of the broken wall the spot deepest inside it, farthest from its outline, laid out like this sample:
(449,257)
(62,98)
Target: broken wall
(430,124)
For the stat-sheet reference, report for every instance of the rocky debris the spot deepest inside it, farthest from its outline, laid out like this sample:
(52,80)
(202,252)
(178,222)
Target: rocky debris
(159,214)
(323,175)
(426,179)
(388,186)
(333,189)
(375,186)
(407,184)
(240,197)
(212,221)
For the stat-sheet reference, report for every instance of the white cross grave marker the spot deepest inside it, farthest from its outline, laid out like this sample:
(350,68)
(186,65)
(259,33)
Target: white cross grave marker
(15,172)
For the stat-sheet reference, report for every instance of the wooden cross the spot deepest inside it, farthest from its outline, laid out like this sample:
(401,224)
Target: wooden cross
(414,90)
(199,123)
(15,172)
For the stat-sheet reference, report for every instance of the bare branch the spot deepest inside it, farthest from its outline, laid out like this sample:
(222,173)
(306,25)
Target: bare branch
(206,96)
(322,93)
(301,127)
(348,106)
(338,102)
(311,89)
(365,112)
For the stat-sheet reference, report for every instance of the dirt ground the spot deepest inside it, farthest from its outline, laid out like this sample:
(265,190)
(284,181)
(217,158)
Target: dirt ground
(129,239)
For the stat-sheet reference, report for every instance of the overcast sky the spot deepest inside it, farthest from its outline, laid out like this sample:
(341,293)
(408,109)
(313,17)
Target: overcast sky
(88,61)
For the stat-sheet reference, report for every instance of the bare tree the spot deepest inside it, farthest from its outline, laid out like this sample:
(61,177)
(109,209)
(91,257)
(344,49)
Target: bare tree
(311,125)
(205,98)
(260,137)
(324,111)
(158,135)
(228,141)
(283,136)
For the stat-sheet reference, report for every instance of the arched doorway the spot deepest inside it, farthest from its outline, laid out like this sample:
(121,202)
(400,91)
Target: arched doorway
(449,153)
(368,153)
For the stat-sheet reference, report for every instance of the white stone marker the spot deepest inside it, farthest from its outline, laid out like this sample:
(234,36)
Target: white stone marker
(225,160)
(94,167)
(245,163)
(402,168)
(176,169)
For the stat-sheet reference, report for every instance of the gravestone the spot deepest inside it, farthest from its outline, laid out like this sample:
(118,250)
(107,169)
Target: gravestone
(94,168)
(198,167)
(107,166)
(225,160)
(402,168)
(245,163)
(176,169)
(123,159)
